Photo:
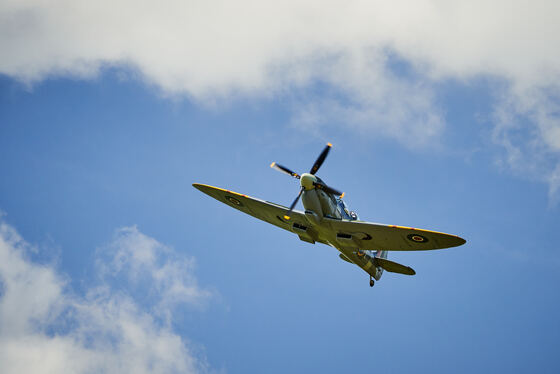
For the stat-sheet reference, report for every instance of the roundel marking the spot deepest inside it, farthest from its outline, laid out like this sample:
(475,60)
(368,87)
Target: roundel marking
(233,201)
(417,238)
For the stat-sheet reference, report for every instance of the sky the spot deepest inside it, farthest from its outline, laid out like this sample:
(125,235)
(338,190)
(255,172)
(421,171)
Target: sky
(443,115)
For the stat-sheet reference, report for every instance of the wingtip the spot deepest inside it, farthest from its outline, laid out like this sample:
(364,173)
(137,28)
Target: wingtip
(458,241)
(272,165)
(329,144)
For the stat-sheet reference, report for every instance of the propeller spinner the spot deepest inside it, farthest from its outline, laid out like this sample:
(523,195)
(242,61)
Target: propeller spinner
(308,181)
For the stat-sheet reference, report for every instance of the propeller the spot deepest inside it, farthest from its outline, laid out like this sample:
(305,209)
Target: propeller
(320,159)
(295,201)
(308,181)
(284,170)
(327,189)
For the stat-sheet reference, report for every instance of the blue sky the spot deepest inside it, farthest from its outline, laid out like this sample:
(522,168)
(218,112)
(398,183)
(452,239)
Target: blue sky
(112,262)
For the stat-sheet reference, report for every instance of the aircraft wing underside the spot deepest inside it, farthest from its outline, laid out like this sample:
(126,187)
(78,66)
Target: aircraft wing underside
(375,236)
(263,210)
(339,233)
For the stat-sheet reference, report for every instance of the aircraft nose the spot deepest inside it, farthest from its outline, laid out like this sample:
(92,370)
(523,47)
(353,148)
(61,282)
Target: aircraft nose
(307,181)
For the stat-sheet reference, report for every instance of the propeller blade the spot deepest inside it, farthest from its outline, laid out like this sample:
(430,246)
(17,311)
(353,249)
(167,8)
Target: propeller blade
(284,170)
(321,159)
(328,189)
(287,216)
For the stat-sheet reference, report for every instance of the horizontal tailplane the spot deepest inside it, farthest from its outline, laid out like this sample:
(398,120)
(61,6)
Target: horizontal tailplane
(393,267)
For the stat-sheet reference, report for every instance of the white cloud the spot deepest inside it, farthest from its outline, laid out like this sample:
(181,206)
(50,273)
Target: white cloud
(153,270)
(375,99)
(527,126)
(209,47)
(46,328)
(221,49)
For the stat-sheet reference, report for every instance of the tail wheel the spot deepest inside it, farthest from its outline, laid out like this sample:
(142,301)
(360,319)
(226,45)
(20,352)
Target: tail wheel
(371,281)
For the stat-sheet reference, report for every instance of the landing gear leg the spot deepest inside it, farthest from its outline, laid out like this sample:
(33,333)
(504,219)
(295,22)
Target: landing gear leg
(371,282)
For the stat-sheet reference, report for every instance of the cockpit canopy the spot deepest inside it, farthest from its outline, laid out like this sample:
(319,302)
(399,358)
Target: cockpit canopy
(344,211)
(341,206)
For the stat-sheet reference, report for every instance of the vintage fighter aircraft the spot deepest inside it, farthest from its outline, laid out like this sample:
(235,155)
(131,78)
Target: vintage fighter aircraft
(327,220)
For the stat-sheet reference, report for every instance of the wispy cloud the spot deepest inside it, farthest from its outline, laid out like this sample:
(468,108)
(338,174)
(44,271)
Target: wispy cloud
(527,126)
(363,92)
(46,328)
(150,270)
(212,50)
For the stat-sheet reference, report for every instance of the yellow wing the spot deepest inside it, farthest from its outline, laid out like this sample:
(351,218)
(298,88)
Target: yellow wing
(374,236)
(263,210)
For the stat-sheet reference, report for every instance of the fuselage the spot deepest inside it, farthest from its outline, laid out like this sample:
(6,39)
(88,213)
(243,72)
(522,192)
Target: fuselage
(319,204)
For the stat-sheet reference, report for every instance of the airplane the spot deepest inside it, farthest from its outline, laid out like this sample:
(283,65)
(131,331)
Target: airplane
(327,220)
